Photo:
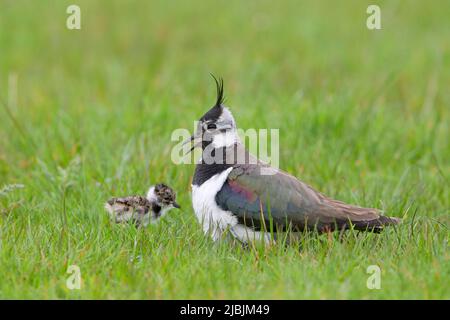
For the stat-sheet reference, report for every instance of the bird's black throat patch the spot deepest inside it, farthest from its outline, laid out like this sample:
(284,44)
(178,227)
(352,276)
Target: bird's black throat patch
(204,171)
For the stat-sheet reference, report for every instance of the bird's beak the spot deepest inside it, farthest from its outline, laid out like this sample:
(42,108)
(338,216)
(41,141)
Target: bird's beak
(197,142)
(188,140)
(176,205)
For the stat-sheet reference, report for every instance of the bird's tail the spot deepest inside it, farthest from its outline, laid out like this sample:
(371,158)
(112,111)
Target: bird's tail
(376,225)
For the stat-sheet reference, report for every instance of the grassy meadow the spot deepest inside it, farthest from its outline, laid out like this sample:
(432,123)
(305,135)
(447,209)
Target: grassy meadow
(87,114)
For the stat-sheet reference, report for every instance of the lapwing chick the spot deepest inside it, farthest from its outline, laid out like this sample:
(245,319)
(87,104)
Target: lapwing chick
(233,191)
(142,210)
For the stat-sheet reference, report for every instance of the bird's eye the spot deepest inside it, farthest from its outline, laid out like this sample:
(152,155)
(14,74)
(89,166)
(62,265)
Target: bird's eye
(211,126)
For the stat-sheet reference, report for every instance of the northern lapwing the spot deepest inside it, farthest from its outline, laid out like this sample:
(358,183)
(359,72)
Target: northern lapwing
(241,194)
(142,210)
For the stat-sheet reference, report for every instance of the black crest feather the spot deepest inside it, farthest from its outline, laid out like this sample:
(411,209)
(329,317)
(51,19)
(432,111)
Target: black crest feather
(219,88)
(215,112)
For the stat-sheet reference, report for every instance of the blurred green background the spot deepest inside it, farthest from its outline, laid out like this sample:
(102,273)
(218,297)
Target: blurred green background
(363,116)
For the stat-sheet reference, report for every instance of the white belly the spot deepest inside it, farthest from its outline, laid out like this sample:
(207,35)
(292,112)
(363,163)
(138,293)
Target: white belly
(212,218)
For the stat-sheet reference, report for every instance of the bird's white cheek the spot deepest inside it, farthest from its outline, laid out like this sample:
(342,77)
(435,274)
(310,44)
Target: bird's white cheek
(224,139)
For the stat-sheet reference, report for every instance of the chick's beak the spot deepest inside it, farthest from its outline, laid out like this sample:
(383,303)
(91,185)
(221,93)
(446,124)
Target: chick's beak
(176,205)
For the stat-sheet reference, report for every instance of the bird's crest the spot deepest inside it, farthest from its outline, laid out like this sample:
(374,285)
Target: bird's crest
(219,87)
(215,112)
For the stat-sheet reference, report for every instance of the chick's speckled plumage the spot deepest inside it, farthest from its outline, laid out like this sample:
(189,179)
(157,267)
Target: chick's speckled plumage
(142,210)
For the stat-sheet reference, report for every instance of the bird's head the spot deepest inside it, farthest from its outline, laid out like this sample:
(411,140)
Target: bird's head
(162,196)
(217,126)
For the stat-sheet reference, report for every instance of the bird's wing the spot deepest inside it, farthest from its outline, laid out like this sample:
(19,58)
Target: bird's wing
(256,198)
(123,205)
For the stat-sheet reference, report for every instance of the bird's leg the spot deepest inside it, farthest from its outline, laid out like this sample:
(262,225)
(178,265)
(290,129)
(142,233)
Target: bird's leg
(328,231)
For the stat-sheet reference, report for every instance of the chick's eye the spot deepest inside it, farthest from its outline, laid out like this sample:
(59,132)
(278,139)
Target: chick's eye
(211,126)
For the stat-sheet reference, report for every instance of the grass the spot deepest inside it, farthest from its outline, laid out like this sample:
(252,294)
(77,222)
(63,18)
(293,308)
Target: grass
(363,117)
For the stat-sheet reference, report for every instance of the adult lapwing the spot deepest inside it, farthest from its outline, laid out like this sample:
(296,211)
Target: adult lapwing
(234,191)
(142,210)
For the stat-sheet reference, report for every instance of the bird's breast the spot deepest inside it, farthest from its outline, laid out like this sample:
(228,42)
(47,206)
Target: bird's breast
(213,219)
